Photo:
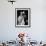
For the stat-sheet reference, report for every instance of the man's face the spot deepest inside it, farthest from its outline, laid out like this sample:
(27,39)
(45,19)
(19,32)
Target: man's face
(22,13)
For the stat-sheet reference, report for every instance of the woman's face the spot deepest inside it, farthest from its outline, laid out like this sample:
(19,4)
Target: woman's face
(21,13)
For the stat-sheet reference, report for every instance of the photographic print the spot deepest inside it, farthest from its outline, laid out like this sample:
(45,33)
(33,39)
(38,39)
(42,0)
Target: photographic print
(22,17)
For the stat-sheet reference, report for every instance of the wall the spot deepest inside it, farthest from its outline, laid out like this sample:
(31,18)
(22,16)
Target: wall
(37,31)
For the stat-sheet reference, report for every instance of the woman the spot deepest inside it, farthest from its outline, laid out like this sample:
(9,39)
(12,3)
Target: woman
(21,19)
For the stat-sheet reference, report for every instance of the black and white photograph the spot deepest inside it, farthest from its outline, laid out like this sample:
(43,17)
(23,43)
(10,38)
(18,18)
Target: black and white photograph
(22,17)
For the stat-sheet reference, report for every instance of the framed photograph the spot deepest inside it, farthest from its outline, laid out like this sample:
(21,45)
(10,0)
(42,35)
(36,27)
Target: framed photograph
(22,17)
